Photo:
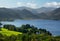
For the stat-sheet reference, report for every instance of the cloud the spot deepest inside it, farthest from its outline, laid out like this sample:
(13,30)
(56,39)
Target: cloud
(31,5)
(1,6)
(20,4)
(52,4)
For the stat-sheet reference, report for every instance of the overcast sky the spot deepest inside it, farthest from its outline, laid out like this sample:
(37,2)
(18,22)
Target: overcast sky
(29,3)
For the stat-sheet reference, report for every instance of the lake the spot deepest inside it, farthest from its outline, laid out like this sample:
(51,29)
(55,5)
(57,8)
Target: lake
(51,25)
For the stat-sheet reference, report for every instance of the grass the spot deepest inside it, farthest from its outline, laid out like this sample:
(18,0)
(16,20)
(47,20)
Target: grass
(8,32)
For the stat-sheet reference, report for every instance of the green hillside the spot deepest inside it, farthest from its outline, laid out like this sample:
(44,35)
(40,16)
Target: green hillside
(8,32)
(29,33)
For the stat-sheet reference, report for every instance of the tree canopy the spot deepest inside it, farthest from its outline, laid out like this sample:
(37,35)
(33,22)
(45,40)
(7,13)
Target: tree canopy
(30,33)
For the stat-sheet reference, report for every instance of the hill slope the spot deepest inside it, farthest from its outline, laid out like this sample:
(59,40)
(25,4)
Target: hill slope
(55,14)
(8,32)
(9,14)
(12,14)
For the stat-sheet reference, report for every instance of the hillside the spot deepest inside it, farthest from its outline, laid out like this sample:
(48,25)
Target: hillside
(8,32)
(43,13)
(9,14)
(55,14)
(30,33)
(35,11)
(45,9)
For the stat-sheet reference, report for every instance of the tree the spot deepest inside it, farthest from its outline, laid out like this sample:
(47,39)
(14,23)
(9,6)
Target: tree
(0,26)
(28,26)
(1,37)
(19,37)
(24,38)
(44,31)
(12,38)
(25,26)
(10,27)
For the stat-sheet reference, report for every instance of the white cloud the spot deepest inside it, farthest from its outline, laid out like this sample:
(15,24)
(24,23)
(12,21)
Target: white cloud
(20,4)
(52,4)
(4,6)
(31,5)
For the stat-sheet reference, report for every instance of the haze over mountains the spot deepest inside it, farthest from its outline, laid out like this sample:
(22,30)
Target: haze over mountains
(29,13)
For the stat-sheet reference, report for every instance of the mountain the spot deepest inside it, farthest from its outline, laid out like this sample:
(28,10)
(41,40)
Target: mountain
(27,8)
(10,14)
(26,14)
(42,15)
(45,9)
(55,14)
(38,10)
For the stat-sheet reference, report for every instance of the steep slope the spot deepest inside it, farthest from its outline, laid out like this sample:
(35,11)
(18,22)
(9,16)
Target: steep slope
(28,15)
(8,14)
(27,8)
(43,16)
(8,32)
(38,10)
(55,14)
(45,9)
(11,14)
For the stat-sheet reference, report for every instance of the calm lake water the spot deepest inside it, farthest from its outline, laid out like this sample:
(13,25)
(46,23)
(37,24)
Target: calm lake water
(51,25)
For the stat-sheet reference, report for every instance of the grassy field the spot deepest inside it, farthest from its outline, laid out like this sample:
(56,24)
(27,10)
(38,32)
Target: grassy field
(8,32)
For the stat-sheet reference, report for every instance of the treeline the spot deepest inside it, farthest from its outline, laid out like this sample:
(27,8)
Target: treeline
(27,29)
(27,37)
(30,33)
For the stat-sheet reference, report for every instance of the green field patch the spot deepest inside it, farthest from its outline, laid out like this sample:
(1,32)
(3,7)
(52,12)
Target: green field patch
(8,32)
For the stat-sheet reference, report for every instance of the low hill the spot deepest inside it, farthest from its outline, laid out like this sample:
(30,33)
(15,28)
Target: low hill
(8,32)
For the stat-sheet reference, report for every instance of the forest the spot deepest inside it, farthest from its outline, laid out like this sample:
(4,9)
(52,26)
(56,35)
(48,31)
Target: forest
(25,33)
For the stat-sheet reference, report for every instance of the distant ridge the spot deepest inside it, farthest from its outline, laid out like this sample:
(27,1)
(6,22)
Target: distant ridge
(29,13)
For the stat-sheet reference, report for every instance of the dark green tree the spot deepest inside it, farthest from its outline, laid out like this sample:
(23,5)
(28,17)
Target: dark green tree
(0,26)
(12,38)
(1,37)
(10,27)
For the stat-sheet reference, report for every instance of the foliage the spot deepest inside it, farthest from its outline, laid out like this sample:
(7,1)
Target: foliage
(8,32)
(26,33)
(27,29)
(0,26)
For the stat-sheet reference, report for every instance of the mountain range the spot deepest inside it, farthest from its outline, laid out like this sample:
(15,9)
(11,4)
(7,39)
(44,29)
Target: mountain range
(29,13)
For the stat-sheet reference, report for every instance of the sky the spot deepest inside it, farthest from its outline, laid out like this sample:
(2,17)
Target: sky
(29,3)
